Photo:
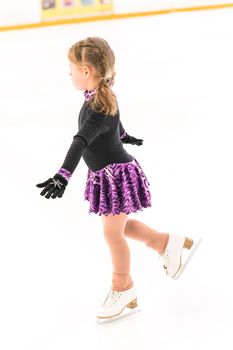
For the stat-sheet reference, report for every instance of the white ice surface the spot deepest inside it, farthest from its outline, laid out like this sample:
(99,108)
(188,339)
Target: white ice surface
(174,87)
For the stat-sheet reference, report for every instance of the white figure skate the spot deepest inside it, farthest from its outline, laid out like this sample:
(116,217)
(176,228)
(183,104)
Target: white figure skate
(172,255)
(115,303)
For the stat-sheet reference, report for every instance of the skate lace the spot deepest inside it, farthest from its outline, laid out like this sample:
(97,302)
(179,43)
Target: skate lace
(164,256)
(111,298)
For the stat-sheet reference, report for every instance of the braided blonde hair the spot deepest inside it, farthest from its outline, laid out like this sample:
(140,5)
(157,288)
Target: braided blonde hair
(97,53)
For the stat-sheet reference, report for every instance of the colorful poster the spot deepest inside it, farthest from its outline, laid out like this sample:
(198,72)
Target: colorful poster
(48,4)
(68,3)
(54,9)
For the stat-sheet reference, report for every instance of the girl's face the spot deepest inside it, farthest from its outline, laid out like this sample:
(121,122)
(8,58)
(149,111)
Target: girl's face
(82,76)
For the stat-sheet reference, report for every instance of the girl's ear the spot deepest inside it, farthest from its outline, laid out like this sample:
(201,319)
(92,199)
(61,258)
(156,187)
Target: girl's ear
(90,71)
(87,70)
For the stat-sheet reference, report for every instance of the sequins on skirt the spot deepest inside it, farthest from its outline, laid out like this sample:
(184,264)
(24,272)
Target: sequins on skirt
(118,187)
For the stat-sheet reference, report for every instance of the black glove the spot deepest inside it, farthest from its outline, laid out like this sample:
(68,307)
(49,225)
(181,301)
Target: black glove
(54,186)
(132,140)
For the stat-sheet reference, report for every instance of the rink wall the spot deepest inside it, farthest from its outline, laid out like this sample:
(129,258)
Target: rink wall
(19,14)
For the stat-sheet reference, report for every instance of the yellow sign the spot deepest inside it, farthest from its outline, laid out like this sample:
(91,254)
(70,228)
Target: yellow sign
(74,8)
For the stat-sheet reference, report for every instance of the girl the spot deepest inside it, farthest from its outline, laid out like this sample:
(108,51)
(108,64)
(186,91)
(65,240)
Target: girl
(116,184)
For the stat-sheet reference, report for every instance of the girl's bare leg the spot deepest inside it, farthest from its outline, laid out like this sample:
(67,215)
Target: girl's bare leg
(135,229)
(113,228)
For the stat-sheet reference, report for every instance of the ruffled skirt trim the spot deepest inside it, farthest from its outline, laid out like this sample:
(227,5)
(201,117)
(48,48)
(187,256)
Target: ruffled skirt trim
(118,187)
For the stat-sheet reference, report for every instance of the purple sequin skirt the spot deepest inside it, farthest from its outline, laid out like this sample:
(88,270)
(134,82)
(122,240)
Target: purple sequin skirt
(117,188)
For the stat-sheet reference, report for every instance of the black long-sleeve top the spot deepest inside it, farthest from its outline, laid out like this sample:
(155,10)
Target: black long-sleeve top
(97,141)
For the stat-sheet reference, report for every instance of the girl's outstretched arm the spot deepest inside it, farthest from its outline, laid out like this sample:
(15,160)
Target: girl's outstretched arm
(122,131)
(126,138)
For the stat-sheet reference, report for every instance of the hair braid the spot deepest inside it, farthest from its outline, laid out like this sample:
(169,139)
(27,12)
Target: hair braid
(97,52)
